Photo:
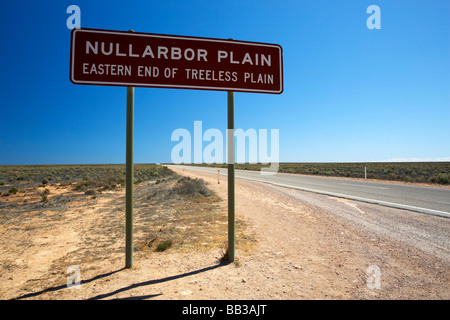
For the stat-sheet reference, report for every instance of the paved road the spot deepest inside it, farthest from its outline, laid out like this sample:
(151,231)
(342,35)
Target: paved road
(428,200)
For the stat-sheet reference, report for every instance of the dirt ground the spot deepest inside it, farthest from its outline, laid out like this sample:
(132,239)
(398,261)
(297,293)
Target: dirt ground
(286,249)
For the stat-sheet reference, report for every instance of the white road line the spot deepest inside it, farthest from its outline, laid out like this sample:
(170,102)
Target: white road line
(384,203)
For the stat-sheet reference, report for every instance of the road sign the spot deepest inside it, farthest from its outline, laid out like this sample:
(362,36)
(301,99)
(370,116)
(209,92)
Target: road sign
(133,59)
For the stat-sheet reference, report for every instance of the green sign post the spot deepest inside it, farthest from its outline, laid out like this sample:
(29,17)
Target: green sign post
(231,191)
(129,180)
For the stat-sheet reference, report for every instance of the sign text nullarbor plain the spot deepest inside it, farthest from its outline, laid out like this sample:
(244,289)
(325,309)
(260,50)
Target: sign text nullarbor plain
(102,57)
(176,53)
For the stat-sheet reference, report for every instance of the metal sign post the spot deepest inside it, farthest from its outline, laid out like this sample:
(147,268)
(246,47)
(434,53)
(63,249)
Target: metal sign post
(129,180)
(231,213)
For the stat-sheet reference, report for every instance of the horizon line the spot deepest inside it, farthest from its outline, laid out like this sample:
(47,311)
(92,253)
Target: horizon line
(393,160)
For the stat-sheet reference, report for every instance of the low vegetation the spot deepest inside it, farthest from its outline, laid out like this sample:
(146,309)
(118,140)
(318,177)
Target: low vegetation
(86,177)
(422,172)
(76,215)
(170,211)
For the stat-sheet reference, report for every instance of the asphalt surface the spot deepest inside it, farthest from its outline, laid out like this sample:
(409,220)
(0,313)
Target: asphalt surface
(429,200)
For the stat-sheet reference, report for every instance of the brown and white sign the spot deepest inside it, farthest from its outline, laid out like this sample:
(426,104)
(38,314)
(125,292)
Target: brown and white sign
(117,58)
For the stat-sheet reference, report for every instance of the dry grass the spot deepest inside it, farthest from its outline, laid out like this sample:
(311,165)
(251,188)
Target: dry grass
(186,213)
(65,226)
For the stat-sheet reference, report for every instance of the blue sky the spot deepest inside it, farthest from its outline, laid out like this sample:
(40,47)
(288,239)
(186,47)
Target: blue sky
(350,93)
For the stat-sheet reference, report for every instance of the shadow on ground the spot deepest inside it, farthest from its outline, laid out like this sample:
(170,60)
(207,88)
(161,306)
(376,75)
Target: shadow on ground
(124,289)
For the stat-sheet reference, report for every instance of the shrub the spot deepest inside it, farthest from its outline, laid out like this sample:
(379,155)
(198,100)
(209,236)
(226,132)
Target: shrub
(187,186)
(441,178)
(224,255)
(82,185)
(2,183)
(393,176)
(13,190)
(164,246)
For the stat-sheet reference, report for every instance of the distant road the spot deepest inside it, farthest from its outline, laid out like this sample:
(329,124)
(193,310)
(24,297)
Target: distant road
(429,200)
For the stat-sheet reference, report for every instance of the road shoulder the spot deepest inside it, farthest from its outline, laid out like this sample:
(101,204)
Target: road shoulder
(314,253)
